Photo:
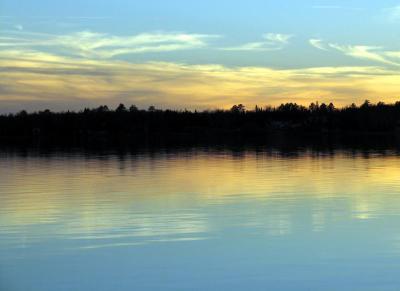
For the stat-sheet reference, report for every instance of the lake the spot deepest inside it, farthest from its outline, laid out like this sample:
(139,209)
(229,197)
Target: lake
(200,219)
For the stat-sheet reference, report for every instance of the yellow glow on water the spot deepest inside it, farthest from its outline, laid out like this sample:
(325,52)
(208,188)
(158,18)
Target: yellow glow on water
(167,211)
(102,194)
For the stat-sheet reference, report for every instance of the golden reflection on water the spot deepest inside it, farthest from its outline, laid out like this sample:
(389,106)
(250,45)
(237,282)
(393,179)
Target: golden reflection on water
(137,199)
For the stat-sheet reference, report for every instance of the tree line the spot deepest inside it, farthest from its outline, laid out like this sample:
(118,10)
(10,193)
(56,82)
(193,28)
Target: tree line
(132,125)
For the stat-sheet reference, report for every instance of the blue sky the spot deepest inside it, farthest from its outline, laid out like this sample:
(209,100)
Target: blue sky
(268,37)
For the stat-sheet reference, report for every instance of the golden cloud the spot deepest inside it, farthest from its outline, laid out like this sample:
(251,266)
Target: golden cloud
(30,78)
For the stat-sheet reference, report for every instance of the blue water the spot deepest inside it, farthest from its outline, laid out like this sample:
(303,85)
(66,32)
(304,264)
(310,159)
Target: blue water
(200,220)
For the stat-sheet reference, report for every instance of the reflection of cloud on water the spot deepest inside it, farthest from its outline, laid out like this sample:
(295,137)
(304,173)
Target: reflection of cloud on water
(176,197)
(279,225)
(111,245)
(140,227)
(131,244)
(116,228)
(318,220)
(364,208)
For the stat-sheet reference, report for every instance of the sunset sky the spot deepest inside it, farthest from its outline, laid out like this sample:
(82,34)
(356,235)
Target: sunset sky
(196,54)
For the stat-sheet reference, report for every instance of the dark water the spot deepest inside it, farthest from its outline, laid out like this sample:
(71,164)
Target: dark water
(200,220)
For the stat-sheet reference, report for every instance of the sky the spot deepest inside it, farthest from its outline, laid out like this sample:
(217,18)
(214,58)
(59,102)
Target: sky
(67,55)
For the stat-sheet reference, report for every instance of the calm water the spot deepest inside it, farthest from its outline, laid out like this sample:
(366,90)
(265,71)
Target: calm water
(200,220)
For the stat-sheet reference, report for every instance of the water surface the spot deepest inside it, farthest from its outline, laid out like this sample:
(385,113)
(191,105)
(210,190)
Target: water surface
(200,220)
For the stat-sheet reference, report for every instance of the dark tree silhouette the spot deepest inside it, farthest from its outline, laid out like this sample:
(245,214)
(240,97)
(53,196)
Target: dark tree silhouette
(134,126)
(121,108)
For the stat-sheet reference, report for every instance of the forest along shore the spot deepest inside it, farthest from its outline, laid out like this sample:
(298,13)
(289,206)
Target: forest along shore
(133,126)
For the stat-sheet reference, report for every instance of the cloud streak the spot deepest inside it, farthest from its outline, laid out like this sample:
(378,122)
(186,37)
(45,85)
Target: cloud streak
(19,27)
(370,53)
(318,43)
(271,42)
(83,69)
(393,13)
(31,80)
(89,44)
(335,7)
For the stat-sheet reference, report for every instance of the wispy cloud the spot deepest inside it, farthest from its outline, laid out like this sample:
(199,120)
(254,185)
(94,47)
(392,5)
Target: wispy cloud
(371,53)
(335,7)
(77,17)
(88,17)
(87,43)
(393,54)
(99,45)
(326,7)
(278,38)
(392,13)
(318,43)
(31,79)
(271,42)
(19,27)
